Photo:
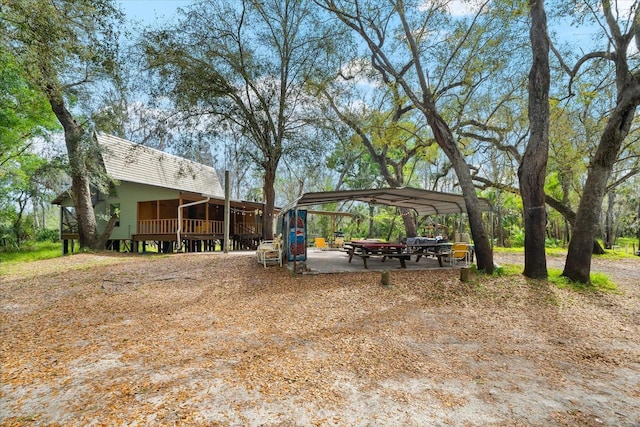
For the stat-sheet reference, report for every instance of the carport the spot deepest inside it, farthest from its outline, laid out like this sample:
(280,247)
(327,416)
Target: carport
(423,202)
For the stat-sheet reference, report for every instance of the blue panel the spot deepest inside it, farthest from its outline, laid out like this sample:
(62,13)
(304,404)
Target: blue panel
(297,232)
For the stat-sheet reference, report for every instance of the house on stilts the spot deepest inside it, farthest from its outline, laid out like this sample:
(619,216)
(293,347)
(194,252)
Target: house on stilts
(164,200)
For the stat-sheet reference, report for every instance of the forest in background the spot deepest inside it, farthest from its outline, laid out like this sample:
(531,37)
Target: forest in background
(293,96)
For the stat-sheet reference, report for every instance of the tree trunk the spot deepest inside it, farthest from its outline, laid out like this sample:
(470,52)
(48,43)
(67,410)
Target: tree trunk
(104,237)
(444,138)
(566,202)
(597,249)
(499,219)
(532,170)
(269,199)
(609,229)
(80,181)
(578,264)
(638,222)
(409,224)
(425,101)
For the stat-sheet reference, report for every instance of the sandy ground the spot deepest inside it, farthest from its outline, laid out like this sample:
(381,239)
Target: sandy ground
(215,339)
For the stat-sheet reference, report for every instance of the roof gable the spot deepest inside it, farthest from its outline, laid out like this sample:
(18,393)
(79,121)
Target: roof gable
(131,162)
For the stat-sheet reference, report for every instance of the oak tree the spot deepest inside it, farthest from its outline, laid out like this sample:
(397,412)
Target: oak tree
(398,37)
(66,48)
(245,62)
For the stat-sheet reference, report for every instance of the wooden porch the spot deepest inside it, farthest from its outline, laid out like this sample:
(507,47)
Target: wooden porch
(188,223)
(197,235)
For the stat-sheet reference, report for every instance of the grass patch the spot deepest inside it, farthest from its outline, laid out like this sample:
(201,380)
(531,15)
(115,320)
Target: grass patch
(619,252)
(615,254)
(507,270)
(520,250)
(517,250)
(33,251)
(599,281)
(556,251)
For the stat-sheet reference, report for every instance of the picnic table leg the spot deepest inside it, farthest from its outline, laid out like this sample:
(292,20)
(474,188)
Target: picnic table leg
(403,264)
(350,255)
(440,260)
(364,259)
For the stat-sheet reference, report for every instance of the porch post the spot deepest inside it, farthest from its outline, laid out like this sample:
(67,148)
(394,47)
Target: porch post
(227,211)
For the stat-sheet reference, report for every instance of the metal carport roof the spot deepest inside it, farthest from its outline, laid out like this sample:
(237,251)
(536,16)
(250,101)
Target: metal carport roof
(424,202)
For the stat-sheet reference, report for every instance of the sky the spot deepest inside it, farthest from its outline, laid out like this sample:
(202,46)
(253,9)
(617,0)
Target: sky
(156,11)
(151,11)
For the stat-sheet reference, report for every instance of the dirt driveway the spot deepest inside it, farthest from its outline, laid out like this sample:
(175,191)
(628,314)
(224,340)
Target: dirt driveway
(215,339)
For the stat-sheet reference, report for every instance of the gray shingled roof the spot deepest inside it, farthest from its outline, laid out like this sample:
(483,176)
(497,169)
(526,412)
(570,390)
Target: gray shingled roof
(131,162)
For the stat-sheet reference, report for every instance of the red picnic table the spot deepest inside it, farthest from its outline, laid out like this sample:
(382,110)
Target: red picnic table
(368,248)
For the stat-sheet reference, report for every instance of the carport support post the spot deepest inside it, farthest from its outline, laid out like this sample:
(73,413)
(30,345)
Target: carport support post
(227,210)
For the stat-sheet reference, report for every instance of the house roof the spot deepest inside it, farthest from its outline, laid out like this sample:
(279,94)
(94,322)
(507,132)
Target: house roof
(131,162)
(424,202)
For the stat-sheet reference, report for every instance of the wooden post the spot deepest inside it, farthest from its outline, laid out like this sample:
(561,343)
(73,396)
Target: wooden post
(464,274)
(385,278)
(227,211)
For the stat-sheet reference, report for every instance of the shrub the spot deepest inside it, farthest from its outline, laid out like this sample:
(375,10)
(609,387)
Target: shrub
(48,235)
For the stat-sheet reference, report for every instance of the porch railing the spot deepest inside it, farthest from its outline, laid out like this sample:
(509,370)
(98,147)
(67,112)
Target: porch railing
(158,226)
(247,228)
(194,226)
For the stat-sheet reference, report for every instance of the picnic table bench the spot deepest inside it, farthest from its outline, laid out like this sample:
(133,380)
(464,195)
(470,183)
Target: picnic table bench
(429,247)
(419,248)
(366,249)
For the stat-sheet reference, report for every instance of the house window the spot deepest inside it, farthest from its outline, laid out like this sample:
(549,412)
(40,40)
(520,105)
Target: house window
(114,208)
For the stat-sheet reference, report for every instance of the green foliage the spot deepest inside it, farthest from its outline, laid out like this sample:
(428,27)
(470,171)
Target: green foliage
(24,116)
(625,246)
(508,250)
(8,239)
(507,270)
(550,242)
(389,224)
(32,251)
(599,281)
(47,235)
(517,236)
(62,42)
(617,253)
(24,111)
(26,181)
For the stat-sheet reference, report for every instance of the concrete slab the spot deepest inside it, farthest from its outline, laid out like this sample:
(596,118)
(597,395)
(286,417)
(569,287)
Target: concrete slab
(337,261)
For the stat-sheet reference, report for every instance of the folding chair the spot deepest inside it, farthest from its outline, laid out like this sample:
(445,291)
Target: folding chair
(460,253)
(270,251)
(321,243)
